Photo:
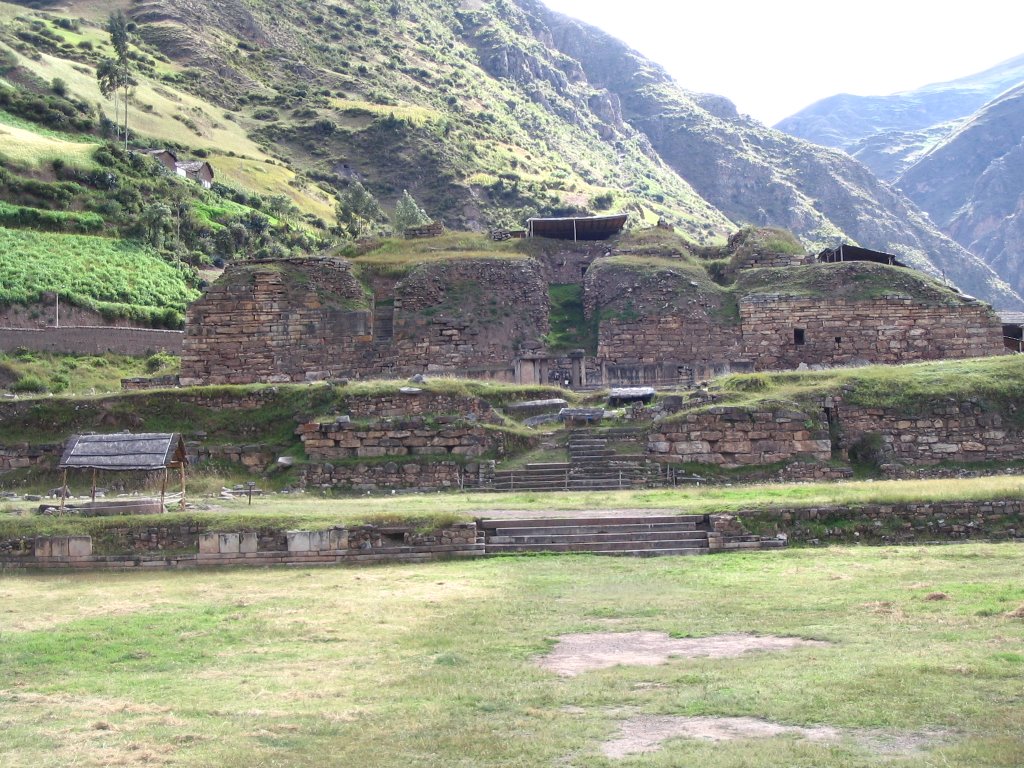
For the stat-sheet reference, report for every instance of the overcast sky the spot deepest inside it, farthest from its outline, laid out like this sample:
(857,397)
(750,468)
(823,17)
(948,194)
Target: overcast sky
(774,58)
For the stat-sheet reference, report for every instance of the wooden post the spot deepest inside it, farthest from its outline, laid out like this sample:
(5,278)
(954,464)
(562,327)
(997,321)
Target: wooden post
(93,493)
(63,489)
(574,230)
(163,489)
(181,469)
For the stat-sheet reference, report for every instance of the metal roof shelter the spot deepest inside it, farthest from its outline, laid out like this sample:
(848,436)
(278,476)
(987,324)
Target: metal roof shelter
(577,227)
(847,252)
(126,452)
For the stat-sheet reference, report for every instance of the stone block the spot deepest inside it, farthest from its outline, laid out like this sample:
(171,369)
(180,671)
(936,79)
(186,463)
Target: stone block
(248,542)
(298,541)
(209,543)
(227,543)
(79,546)
(42,547)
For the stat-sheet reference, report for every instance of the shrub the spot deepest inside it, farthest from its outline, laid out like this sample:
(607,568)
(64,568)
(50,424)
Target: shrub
(29,383)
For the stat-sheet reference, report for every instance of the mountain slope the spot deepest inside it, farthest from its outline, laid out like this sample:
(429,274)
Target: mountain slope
(487,112)
(971,184)
(845,120)
(755,174)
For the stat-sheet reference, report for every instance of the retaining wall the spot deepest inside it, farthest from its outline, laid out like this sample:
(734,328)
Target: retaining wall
(92,340)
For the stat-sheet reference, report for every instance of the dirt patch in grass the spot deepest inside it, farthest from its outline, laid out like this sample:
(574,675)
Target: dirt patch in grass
(647,732)
(599,650)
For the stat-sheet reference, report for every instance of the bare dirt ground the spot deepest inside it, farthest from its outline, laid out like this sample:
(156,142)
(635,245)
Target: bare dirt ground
(599,650)
(646,733)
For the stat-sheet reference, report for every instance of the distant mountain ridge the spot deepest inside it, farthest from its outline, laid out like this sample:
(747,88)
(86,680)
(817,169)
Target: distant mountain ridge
(956,149)
(846,122)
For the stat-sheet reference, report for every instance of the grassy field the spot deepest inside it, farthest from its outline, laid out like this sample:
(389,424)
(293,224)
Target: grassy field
(310,511)
(29,146)
(435,665)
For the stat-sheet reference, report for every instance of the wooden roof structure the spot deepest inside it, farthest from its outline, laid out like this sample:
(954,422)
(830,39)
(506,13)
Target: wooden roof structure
(125,452)
(577,227)
(847,252)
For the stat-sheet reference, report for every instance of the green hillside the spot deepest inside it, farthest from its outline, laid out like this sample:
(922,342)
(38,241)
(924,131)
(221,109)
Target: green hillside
(318,117)
(118,278)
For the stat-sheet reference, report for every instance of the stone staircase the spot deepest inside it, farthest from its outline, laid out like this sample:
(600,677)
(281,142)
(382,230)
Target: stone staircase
(596,467)
(636,536)
(592,466)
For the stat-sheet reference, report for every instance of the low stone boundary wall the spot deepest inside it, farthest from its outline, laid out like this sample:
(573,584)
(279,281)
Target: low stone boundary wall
(892,523)
(335,546)
(92,340)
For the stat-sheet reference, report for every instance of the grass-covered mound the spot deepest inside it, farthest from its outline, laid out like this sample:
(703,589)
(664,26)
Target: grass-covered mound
(852,280)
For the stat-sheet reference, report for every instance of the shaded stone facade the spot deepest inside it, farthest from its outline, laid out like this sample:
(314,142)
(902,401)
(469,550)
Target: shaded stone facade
(946,431)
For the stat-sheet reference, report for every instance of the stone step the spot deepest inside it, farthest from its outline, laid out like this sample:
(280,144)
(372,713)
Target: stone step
(566,520)
(638,549)
(524,537)
(594,529)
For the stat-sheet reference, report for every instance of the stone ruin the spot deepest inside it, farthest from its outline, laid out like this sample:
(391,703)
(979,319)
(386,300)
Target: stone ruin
(660,319)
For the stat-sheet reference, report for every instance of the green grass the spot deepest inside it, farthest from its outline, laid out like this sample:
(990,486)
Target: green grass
(397,256)
(570,329)
(994,381)
(28,146)
(120,278)
(310,510)
(81,374)
(434,665)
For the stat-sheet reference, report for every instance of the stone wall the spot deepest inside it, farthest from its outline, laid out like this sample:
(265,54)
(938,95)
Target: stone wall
(275,321)
(422,402)
(732,437)
(782,332)
(185,546)
(405,437)
(943,431)
(384,475)
(25,455)
(892,523)
(658,317)
(92,340)
(310,319)
(467,314)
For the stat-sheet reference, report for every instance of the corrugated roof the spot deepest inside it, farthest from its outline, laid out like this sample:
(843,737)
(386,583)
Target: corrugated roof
(847,252)
(147,451)
(1011,318)
(578,227)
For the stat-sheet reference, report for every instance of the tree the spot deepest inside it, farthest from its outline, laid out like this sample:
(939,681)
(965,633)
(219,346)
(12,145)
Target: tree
(107,77)
(117,26)
(357,210)
(156,221)
(407,214)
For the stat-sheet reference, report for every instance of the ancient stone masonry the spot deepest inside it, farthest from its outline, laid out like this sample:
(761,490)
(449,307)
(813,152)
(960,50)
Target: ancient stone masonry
(782,332)
(407,437)
(418,402)
(465,314)
(944,431)
(308,319)
(430,474)
(658,317)
(276,322)
(733,437)
(24,455)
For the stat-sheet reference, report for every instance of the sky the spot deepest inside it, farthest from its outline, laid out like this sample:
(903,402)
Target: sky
(774,58)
